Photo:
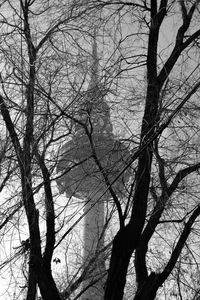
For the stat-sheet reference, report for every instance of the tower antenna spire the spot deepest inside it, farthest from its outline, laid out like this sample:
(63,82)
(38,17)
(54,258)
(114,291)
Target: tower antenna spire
(95,60)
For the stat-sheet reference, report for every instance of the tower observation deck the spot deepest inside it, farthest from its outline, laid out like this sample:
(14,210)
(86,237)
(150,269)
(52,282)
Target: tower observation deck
(88,163)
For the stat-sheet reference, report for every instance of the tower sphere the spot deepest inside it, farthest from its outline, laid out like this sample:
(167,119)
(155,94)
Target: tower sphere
(79,171)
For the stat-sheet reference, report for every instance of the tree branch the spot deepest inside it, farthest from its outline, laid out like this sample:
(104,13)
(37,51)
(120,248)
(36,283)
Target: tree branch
(50,213)
(179,46)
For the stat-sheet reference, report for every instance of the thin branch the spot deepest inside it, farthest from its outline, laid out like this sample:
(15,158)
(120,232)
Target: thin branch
(179,245)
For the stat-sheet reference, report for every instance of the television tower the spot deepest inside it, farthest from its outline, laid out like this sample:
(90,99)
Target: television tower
(91,154)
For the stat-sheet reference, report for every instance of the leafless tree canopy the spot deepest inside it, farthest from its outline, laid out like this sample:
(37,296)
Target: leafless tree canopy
(99,104)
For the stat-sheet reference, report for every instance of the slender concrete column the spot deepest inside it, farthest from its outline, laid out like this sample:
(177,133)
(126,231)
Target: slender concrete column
(93,243)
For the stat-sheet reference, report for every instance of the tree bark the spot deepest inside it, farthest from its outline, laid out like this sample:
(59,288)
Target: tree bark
(47,284)
(121,254)
(147,291)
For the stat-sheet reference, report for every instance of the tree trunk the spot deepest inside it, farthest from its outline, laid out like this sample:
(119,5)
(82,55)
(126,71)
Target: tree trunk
(121,254)
(32,285)
(47,285)
(148,290)
(43,275)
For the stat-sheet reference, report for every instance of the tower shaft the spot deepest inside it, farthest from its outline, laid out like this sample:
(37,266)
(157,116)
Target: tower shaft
(93,244)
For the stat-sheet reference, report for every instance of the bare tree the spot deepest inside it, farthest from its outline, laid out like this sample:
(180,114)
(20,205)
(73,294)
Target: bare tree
(155,184)
(33,112)
(148,74)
